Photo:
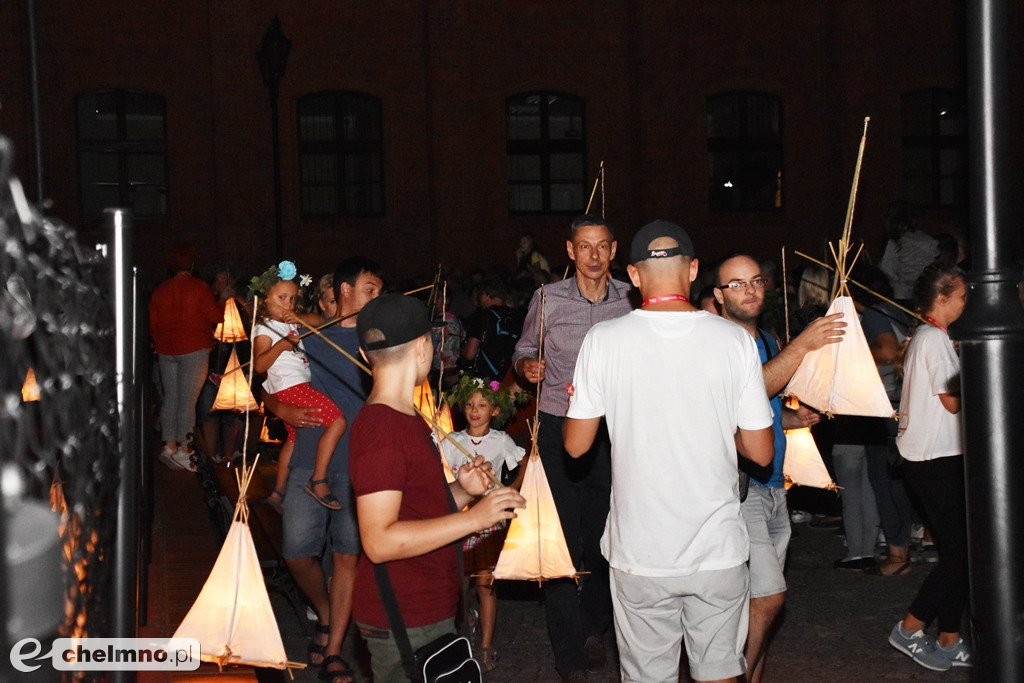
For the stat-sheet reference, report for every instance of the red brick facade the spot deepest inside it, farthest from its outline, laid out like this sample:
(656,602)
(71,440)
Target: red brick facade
(443,69)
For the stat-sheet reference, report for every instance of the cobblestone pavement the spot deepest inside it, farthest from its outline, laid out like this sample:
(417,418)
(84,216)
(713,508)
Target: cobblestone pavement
(835,626)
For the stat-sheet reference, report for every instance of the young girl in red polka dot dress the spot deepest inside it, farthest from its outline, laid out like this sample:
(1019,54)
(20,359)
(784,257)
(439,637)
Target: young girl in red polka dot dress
(278,352)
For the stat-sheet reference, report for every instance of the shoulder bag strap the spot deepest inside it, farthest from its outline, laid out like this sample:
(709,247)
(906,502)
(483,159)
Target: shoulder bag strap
(390,602)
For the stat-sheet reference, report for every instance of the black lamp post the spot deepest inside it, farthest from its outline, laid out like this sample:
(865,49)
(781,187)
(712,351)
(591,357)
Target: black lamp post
(273,57)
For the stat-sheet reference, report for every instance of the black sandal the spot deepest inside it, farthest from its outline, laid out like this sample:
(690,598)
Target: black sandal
(330,501)
(345,673)
(316,650)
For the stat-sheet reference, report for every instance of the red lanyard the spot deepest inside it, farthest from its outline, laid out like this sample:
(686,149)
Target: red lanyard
(936,323)
(663,299)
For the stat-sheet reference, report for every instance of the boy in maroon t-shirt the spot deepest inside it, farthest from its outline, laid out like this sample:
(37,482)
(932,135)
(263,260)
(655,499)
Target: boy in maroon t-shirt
(405,518)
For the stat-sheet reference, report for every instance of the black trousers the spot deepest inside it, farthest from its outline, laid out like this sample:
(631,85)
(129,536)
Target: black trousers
(581,489)
(939,487)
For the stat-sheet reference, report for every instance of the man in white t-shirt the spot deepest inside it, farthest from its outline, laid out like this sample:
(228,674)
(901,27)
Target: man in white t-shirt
(682,391)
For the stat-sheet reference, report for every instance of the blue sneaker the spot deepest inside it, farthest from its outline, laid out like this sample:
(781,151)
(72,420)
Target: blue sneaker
(920,647)
(959,654)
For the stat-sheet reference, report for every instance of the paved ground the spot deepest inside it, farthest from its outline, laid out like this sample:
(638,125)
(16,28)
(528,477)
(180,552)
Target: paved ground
(835,626)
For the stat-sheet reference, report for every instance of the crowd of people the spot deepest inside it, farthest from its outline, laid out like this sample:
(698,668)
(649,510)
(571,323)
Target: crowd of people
(659,395)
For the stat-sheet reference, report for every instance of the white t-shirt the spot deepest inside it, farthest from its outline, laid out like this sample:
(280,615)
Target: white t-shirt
(927,430)
(673,387)
(292,366)
(496,446)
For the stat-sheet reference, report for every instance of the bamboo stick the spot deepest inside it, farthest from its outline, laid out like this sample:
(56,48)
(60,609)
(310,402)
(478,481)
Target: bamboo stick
(597,181)
(866,289)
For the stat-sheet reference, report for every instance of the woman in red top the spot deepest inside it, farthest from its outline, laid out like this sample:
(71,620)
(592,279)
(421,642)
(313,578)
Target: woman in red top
(182,314)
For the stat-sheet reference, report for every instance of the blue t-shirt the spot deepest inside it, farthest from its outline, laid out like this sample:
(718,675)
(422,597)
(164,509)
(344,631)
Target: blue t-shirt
(343,381)
(777,480)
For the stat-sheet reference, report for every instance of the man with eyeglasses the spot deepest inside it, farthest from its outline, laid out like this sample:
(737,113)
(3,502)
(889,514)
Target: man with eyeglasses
(740,290)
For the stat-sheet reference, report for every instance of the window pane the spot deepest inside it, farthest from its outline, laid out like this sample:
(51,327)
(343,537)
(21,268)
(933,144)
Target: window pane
(762,116)
(566,197)
(362,118)
(363,198)
(319,168)
(95,198)
(146,168)
(565,119)
(951,162)
(144,117)
(951,113)
(523,167)
(524,120)
(526,198)
(97,116)
(723,116)
(317,119)
(918,190)
(917,161)
(99,167)
(567,167)
(148,201)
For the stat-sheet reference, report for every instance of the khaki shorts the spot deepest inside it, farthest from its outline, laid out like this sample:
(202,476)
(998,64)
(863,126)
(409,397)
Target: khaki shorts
(655,616)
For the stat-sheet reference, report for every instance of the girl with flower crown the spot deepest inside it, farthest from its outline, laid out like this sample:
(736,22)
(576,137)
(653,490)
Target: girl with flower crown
(277,352)
(485,404)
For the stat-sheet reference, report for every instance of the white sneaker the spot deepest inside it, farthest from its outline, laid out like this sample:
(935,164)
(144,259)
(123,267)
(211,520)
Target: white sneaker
(167,458)
(184,460)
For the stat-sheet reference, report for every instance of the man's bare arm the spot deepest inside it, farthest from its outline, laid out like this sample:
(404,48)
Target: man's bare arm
(780,369)
(756,444)
(578,435)
(296,416)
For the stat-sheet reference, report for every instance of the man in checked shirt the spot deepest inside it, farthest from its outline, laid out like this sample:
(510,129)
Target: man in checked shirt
(577,620)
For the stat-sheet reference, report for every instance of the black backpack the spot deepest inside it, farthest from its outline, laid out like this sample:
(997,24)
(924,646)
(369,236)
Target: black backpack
(502,327)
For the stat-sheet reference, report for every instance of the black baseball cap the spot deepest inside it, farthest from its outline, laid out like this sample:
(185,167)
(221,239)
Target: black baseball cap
(641,249)
(391,320)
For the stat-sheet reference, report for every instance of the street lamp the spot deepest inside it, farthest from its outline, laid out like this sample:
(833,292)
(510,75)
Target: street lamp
(272,58)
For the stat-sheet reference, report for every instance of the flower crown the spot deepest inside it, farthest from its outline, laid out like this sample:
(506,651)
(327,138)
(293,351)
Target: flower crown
(499,396)
(285,270)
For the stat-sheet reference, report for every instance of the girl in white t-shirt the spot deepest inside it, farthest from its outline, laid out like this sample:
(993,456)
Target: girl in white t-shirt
(485,404)
(931,443)
(277,351)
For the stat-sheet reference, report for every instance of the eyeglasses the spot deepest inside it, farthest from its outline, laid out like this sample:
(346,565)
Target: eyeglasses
(756,283)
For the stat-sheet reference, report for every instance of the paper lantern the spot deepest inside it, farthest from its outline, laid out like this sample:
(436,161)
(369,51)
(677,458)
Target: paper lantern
(803,465)
(231,329)
(842,379)
(29,388)
(535,547)
(234,393)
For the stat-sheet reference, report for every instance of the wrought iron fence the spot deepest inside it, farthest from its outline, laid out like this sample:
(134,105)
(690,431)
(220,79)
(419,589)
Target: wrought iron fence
(63,446)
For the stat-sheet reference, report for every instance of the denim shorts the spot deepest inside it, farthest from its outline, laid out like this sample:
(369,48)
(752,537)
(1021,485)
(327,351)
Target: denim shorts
(767,519)
(310,529)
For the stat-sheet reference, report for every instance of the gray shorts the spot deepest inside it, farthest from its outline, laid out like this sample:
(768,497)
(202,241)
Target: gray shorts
(767,519)
(307,526)
(654,616)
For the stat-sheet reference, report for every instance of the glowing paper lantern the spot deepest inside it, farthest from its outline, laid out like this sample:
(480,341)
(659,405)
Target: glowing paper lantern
(30,389)
(535,547)
(231,329)
(842,379)
(234,393)
(803,465)
(232,618)
(423,399)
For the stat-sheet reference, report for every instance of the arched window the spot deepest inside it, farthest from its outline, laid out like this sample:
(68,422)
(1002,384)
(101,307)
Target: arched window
(745,152)
(341,170)
(546,141)
(935,148)
(122,153)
